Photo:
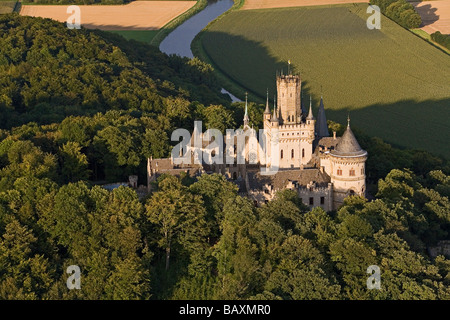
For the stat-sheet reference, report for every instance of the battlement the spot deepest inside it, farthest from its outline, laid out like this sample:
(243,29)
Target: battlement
(288,78)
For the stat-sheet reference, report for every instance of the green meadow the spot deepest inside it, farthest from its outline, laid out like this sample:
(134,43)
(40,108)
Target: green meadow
(394,84)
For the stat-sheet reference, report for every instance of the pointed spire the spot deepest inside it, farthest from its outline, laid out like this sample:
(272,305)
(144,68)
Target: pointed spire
(246,120)
(274,117)
(310,114)
(267,111)
(321,124)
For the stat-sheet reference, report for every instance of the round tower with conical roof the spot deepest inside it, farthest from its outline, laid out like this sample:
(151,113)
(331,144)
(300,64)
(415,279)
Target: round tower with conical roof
(348,162)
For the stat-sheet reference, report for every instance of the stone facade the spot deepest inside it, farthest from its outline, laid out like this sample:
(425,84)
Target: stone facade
(322,169)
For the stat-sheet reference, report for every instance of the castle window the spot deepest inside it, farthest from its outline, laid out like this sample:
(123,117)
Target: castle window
(339,172)
(362,170)
(352,172)
(311,201)
(352,192)
(303,153)
(322,200)
(281,154)
(291,95)
(292,153)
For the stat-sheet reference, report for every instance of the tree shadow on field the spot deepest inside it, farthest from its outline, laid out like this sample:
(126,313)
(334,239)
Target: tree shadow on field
(231,54)
(418,124)
(413,124)
(427,13)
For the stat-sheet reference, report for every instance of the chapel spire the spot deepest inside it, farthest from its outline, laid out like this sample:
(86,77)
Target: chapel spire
(246,119)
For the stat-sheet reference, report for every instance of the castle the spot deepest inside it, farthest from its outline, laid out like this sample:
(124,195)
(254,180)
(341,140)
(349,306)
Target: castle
(322,169)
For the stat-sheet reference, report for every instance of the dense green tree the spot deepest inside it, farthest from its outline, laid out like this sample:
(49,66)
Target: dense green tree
(74,165)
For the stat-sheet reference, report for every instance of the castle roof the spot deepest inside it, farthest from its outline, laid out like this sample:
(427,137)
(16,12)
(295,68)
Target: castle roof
(321,124)
(348,146)
(281,179)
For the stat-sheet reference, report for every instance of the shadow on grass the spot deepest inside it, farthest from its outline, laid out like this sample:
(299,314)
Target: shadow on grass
(412,123)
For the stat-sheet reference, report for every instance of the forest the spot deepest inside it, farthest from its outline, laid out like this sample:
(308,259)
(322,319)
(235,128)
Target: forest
(81,107)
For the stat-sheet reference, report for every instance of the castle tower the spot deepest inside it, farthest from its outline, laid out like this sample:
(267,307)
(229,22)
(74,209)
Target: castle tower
(348,162)
(289,100)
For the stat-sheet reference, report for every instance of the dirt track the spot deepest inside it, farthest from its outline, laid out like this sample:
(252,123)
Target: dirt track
(138,15)
(262,4)
(435,15)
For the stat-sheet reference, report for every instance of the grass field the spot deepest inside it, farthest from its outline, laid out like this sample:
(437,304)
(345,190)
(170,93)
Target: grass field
(394,84)
(7,6)
(265,4)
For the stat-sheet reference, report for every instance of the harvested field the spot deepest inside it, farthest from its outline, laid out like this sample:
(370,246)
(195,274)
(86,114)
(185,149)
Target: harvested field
(435,15)
(138,15)
(264,4)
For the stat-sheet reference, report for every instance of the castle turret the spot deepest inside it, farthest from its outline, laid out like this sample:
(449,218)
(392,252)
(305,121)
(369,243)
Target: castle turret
(348,161)
(274,120)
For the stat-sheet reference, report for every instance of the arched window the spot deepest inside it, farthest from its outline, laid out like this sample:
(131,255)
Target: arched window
(292,153)
(281,154)
(339,172)
(303,153)
(352,172)
(362,170)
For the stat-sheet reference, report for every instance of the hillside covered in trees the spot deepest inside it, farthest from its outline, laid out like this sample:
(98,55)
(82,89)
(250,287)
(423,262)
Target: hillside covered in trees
(79,106)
